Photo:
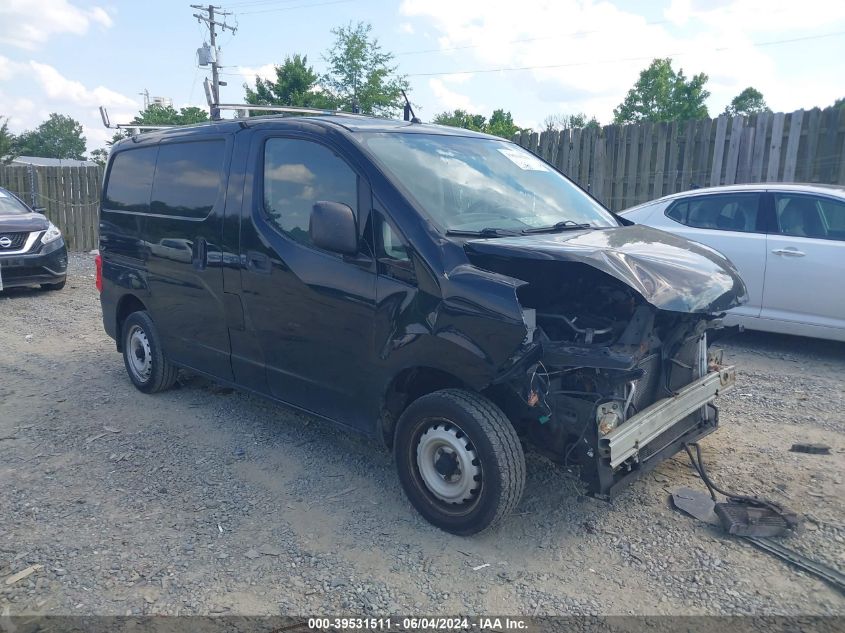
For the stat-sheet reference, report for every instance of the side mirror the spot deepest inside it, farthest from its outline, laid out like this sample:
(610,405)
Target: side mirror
(332,227)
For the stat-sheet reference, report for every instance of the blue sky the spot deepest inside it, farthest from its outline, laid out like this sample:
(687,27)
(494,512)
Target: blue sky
(70,56)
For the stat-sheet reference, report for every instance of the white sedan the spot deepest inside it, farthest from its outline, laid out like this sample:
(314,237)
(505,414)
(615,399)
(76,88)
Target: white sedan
(787,241)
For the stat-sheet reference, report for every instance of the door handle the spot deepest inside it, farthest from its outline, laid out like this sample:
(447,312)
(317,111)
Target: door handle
(789,252)
(257,261)
(200,254)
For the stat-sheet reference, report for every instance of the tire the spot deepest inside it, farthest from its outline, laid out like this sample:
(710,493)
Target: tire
(143,357)
(57,286)
(460,490)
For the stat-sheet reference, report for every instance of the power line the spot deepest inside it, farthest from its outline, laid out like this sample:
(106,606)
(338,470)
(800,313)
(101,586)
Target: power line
(519,41)
(298,6)
(615,60)
(259,2)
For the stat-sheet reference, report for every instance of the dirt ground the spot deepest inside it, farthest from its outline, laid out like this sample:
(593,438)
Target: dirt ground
(203,500)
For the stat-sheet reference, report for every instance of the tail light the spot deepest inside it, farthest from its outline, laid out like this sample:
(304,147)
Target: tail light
(98,281)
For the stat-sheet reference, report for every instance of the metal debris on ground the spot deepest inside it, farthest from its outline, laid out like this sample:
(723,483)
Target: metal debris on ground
(829,574)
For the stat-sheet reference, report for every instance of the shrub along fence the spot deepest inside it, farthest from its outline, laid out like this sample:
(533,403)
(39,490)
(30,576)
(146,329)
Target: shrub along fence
(624,165)
(69,196)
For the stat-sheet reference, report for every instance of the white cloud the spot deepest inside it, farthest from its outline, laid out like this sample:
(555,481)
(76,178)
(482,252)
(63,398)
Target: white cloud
(588,53)
(26,26)
(758,16)
(9,68)
(49,91)
(65,90)
(406,27)
(267,71)
(448,99)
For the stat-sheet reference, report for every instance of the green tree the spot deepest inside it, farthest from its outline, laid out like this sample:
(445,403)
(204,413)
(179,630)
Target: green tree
(839,103)
(7,141)
(463,119)
(569,121)
(157,114)
(749,101)
(661,94)
(501,124)
(361,73)
(60,136)
(99,156)
(295,85)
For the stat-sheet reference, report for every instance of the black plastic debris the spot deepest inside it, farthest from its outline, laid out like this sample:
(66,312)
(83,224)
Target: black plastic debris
(812,449)
(745,515)
(695,503)
(744,518)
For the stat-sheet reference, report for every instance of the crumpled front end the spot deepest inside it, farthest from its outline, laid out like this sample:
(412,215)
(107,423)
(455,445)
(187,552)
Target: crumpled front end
(624,377)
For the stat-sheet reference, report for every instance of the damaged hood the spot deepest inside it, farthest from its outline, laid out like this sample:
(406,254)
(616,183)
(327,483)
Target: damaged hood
(670,272)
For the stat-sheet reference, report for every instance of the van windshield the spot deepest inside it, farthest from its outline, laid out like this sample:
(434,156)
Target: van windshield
(476,184)
(9,205)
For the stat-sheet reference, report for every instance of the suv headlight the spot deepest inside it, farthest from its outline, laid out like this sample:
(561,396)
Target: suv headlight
(51,235)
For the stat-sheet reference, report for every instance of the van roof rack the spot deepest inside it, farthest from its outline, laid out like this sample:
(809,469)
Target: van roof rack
(285,109)
(240,107)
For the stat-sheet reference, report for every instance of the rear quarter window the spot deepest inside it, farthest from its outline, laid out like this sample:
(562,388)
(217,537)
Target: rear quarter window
(722,212)
(175,179)
(187,178)
(130,180)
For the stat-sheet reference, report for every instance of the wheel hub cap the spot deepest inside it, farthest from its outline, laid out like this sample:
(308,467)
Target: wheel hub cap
(448,463)
(140,359)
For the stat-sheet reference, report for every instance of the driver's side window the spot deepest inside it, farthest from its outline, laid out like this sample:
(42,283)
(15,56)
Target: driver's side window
(392,245)
(394,255)
(298,173)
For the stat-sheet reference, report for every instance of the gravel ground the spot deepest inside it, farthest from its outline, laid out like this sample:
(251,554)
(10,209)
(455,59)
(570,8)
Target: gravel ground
(203,500)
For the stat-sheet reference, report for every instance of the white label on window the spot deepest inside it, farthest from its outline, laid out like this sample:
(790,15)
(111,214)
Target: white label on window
(523,160)
(3,194)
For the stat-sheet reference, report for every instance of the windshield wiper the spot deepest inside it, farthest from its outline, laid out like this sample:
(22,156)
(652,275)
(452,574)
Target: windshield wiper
(485,232)
(565,225)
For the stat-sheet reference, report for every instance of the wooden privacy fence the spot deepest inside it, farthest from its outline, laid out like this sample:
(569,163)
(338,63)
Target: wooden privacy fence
(69,196)
(624,165)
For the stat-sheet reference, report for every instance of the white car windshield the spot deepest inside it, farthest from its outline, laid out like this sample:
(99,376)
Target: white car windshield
(473,184)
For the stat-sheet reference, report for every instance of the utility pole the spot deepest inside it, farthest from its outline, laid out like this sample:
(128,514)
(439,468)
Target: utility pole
(207,14)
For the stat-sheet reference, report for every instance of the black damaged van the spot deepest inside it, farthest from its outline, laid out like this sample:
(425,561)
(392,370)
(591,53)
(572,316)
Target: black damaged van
(444,291)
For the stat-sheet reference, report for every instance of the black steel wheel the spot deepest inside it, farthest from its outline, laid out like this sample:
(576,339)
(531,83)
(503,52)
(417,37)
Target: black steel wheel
(459,460)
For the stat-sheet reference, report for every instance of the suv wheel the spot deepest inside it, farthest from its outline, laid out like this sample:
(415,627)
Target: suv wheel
(459,460)
(145,363)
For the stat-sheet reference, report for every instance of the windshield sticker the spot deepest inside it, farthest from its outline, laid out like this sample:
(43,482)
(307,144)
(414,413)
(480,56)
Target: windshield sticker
(3,194)
(523,160)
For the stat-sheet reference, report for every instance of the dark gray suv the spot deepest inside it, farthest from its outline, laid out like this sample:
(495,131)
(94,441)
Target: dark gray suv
(32,251)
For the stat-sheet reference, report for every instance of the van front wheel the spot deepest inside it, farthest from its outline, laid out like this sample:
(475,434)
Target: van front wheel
(146,365)
(459,460)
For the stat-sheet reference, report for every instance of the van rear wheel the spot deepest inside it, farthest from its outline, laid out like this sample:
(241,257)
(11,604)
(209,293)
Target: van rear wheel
(145,362)
(459,460)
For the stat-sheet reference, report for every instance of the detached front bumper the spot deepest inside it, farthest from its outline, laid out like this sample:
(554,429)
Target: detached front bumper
(48,267)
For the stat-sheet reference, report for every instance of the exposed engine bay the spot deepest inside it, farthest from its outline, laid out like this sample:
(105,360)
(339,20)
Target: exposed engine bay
(607,356)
